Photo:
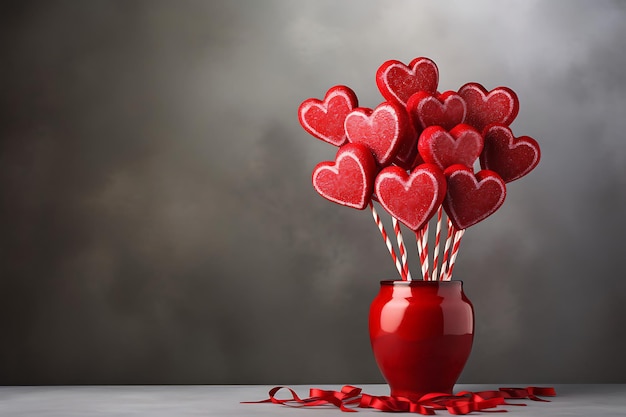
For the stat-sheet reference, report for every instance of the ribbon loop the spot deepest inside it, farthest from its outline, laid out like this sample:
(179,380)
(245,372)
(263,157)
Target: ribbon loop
(462,403)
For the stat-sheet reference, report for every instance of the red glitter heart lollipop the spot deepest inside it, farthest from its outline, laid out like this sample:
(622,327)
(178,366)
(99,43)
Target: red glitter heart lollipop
(383,130)
(414,198)
(499,105)
(462,145)
(510,157)
(446,109)
(325,119)
(349,180)
(471,198)
(398,82)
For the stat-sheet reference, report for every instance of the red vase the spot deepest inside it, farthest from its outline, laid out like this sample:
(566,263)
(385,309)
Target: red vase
(421,334)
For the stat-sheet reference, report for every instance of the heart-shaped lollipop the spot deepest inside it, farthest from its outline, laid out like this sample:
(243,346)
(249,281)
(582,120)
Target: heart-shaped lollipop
(325,119)
(382,130)
(349,180)
(447,109)
(499,105)
(471,198)
(414,198)
(462,145)
(510,157)
(398,82)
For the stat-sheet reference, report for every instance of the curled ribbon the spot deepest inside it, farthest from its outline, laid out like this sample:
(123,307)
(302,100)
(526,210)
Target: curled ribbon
(461,403)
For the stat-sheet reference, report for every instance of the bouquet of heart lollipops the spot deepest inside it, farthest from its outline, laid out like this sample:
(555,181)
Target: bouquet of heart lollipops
(419,154)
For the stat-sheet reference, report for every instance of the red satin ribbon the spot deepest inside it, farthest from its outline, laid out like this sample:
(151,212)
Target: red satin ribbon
(461,403)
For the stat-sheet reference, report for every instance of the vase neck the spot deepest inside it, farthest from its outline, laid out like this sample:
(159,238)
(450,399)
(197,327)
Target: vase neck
(444,289)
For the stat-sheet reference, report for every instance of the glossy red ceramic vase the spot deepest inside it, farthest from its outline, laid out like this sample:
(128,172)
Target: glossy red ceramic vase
(421,334)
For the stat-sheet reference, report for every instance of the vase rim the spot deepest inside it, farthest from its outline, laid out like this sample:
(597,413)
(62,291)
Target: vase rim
(419,282)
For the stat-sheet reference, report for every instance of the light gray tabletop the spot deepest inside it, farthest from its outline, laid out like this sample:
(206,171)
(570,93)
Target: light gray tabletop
(224,401)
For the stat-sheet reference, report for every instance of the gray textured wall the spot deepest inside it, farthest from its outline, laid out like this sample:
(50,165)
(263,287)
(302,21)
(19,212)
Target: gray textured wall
(157,224)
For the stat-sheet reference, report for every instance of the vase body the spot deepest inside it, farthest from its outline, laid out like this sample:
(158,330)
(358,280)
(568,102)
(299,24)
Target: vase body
(421,334)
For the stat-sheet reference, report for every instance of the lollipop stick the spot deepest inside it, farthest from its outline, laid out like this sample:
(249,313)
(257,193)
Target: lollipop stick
(383,233)
(423,255)
(458,235)
(437,239)
(403,254)
(445,251)
(418,240)
(425,249)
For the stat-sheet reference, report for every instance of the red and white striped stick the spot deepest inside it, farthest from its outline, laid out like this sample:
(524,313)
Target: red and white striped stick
(425,249)
(458,235)
(402,248)
(437,239)
(422,251)
(392,252)
(444,271)
(418,240)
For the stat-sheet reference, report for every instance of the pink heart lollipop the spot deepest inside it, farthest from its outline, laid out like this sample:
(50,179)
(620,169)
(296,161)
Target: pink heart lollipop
(325,119)
(500,105)
(446,109)
(462,145)
(349,180)
(472,198)
(382,130)
(414,198)
(510,157)
(397,81)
